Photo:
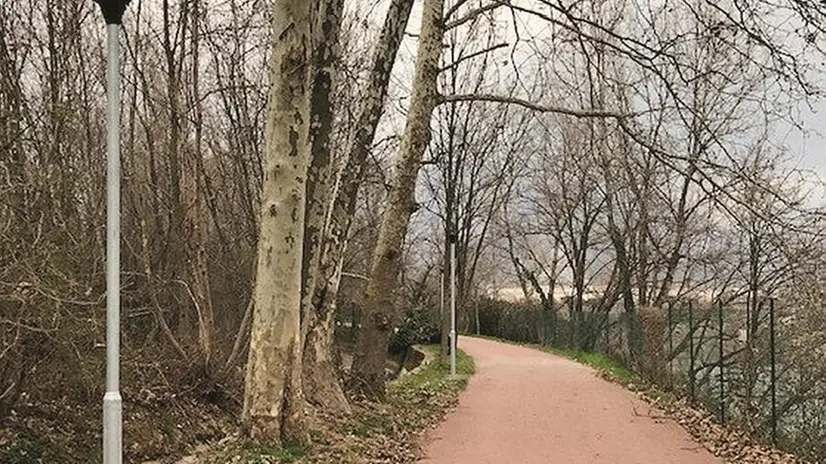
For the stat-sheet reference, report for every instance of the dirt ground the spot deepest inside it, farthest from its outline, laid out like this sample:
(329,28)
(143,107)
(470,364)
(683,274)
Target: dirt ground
(524,406)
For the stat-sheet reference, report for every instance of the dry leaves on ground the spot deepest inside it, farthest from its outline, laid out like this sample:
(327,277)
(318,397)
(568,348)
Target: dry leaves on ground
(729,443)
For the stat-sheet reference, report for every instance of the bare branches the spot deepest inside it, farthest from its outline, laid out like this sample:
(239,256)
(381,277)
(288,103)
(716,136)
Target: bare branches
(469,56)
(453,9)
(533,106)
(473,14)
(241,338)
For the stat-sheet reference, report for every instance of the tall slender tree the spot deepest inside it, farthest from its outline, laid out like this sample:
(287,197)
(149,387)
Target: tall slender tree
(273,399)
(378,313)
(320,382)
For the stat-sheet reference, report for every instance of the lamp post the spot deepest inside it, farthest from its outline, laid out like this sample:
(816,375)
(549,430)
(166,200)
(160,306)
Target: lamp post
(441,291)
(453,344)
(112,407)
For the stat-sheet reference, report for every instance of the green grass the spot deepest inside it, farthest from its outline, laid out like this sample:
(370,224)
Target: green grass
(269,454)
(600,362)
(436,375)
(413,403)
(422,396)
(610,368)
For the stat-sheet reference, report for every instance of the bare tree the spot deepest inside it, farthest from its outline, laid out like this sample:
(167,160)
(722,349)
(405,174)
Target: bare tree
(377,318)
(320,336)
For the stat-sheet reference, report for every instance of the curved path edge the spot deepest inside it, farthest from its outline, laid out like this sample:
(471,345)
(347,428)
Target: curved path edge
(525,406)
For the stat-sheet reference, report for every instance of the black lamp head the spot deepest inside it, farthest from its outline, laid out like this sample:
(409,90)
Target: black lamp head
(112,10)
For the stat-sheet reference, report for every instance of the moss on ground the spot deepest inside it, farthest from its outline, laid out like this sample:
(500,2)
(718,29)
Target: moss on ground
(265,454)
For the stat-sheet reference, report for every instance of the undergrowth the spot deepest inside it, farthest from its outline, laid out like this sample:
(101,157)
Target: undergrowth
(386,432)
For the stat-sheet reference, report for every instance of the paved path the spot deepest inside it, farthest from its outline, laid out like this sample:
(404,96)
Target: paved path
(524,406)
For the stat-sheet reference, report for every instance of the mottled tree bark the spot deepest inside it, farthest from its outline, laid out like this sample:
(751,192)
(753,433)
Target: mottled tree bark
(319,341)
(378,313)
(273,399)
(319,374)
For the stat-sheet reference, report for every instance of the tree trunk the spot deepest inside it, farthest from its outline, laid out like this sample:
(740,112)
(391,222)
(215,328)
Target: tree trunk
(320,337)
(176,234)
(319,375)
(378,312)
(195,223)
(273,400)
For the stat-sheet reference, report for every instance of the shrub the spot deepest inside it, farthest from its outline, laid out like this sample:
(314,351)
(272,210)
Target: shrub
(519,322)
(419,324)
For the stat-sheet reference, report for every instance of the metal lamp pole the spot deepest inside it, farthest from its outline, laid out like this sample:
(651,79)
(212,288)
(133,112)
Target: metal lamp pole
(453,343)
(442,291)
(112,404)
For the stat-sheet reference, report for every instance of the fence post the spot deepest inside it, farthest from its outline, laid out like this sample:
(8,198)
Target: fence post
(773,370)
(691,351)
(722,363)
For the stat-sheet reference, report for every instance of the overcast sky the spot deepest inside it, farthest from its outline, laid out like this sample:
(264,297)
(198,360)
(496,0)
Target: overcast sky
(809,147)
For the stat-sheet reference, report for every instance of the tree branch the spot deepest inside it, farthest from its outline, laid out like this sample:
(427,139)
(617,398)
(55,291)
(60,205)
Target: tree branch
(472,14)
(355,276)
(240,337)
(472,55)
(452,10)
(577,113)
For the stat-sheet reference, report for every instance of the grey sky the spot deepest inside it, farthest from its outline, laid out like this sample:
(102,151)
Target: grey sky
(809,147)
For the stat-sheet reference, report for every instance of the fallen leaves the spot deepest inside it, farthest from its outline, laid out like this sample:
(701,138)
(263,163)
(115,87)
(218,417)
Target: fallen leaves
(374,433)
(729,443)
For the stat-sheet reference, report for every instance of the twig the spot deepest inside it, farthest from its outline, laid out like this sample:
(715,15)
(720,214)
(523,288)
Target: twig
(649,415)
(154,298)
(240,337)
(355,276)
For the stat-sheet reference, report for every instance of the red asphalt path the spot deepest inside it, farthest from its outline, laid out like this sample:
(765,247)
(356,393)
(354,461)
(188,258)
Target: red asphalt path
(525,406)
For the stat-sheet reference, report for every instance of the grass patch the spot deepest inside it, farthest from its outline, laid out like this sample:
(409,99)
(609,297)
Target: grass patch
(602,363)
(615,371)
(414,401)
(435,376)
(30,450)
(35,447)
(608,368)
(269,454)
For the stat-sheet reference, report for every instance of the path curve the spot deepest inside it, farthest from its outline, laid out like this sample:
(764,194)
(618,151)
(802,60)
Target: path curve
(525,406)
